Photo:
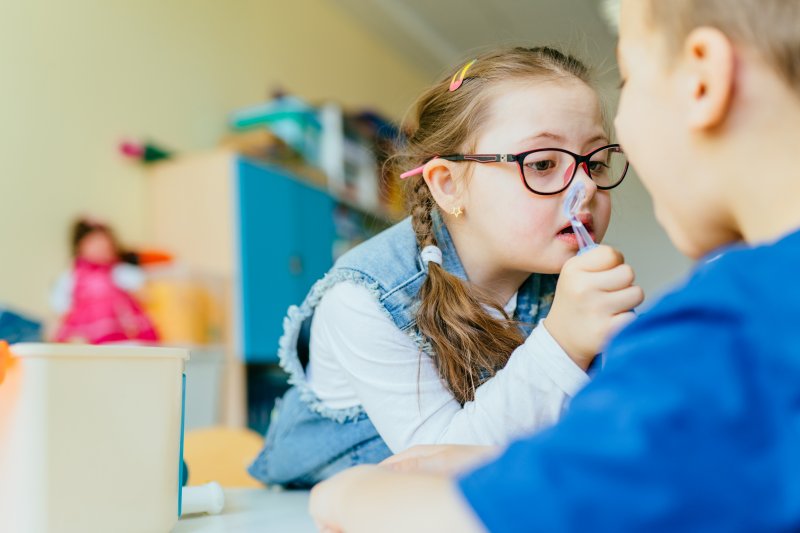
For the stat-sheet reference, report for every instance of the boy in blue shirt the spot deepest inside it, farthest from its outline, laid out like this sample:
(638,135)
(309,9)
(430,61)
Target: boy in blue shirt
(694,423)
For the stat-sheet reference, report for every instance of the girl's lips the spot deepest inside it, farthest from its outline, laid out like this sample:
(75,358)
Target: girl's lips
(586,220)
(570,239)
(567,236)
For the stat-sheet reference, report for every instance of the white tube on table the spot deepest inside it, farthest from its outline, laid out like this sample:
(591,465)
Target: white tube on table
(207,498)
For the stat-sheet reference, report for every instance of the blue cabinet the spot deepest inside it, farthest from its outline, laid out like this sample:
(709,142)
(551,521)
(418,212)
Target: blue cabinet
(264,236)
(285,238)
(265,233)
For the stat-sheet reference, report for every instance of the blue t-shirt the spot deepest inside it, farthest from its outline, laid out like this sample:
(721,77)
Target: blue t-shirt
(693,425)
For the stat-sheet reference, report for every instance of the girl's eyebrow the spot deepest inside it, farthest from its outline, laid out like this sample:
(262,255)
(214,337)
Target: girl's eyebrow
(599,137)
(543,135)
(560,139)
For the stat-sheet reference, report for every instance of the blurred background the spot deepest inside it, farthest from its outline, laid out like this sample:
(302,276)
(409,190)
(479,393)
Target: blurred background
(234,149)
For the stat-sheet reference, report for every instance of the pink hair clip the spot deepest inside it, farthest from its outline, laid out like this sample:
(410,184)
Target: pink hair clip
(458,77)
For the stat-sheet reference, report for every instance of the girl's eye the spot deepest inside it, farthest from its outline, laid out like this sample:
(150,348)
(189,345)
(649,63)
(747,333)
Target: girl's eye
(597,166)
(541,166)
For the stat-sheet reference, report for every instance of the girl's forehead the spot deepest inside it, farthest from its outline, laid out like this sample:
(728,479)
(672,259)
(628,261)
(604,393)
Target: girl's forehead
(565,108)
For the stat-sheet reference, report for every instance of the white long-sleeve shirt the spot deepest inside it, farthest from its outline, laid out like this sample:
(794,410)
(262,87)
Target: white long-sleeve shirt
(358,356)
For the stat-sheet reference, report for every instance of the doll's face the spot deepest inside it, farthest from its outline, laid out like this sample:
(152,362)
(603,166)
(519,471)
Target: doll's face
(97,247)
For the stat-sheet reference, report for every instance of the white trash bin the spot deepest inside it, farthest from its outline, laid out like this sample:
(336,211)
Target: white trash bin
(91,438)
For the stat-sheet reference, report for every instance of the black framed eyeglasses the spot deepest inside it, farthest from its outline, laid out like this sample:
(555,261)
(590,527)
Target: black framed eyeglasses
(549,171)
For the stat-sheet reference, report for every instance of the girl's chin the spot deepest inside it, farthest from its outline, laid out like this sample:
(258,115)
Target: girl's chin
(552,263)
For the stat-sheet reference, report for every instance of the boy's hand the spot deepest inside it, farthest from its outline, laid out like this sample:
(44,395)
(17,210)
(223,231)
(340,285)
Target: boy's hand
(372,498)
(326,501)
(594,298)
(447,459)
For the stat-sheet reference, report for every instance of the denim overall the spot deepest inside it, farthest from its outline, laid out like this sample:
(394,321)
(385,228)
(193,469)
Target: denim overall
(307,441)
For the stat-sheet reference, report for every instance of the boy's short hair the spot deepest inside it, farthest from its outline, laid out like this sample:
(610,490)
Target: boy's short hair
(769,27)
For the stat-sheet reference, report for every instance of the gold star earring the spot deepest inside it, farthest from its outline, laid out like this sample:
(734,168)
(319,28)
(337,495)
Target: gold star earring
(456,211)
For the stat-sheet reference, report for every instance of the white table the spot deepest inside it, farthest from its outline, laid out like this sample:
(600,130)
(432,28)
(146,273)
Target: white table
(254,510)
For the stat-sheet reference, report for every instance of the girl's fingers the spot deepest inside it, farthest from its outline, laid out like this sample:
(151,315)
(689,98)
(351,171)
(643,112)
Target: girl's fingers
(617,278)
(411,455)
(599,259)
(414,451)
(415,459)
(621,320)
(411,464)
(437,459)
(623,300)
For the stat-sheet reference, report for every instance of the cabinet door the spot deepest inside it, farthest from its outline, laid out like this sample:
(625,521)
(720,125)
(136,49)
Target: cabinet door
(286,232)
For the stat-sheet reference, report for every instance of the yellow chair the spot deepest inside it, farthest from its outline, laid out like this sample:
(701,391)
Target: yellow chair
(221,454)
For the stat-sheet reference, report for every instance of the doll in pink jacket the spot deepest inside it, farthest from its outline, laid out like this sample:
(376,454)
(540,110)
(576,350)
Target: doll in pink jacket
(96,295)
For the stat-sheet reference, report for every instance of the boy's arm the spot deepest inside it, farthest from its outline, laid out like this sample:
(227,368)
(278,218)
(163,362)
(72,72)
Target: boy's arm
(664,439)
(670,436)
(371,498)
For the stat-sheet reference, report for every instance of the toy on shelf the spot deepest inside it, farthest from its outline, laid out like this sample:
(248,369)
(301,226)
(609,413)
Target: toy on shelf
(349,148)
(289,118)
(146,152)
(260,143)
(354,148)
(382,136)
(96,296)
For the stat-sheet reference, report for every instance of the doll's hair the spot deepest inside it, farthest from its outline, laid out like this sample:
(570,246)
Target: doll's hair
(769,27)
(85,226)
(469,344)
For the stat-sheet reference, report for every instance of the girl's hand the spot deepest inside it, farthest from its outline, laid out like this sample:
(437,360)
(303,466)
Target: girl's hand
(593,300)
(440,459)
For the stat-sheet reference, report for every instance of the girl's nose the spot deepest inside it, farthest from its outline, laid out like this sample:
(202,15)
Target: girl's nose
(589,185)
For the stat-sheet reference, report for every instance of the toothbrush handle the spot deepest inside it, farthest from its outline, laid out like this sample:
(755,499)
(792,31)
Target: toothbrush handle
(585,242)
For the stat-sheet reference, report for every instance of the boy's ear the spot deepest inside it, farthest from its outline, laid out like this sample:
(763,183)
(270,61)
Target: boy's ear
(443,184)
(709,59)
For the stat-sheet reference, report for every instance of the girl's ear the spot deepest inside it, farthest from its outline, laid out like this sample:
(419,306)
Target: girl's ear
(709,57)
(444,185)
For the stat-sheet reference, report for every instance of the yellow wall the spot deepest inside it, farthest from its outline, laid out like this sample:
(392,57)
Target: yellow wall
(76,76)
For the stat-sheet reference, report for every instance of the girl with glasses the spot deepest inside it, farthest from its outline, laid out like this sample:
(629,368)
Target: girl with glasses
(474,320)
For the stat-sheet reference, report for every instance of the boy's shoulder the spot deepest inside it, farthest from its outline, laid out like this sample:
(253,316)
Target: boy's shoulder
(744,277)
(742,297)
